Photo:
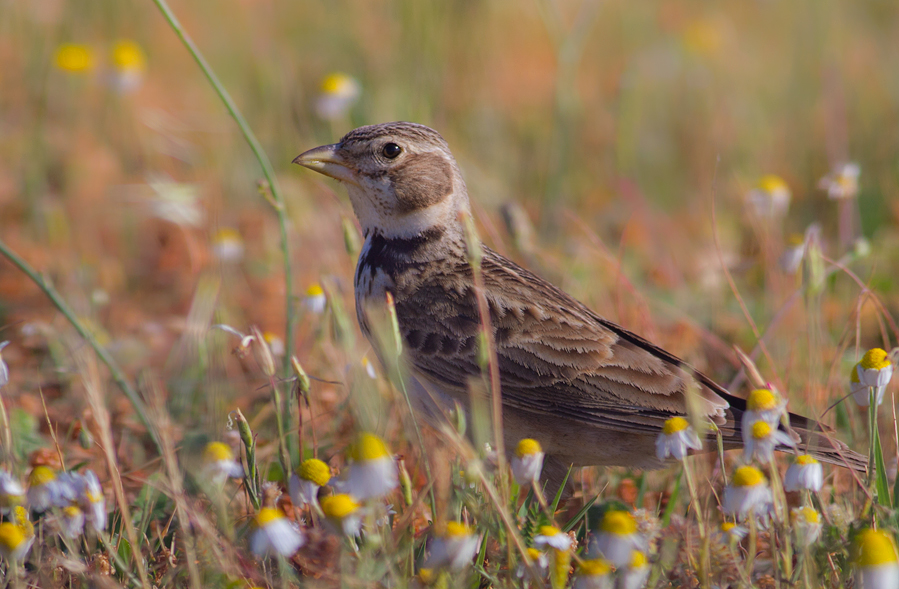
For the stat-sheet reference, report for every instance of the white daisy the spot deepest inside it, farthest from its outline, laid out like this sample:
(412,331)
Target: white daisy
(454,549)
(761,439)
(527,461)
(274,534)
(373,471)
(763,404)
(618,537)
(593,574)
(806,525)
(338,94)
(747,493)
(875,371)
(343,513)
(635,574)
(805,473)
(729,532)
(312,475)
(219,464)
(676,437)
(14,544)
(876,563)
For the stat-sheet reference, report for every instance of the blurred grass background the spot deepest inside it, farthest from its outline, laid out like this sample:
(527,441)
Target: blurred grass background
(618,128)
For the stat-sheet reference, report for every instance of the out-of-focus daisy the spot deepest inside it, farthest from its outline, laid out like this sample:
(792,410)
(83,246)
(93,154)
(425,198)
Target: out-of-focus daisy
(805,473)
(560,555)
(71,521)
(275,343)
(841,182)
(806,525)
(747,492)
(337,95)
(11,492)
(454,548)
(219,464)
(762,404)
(793,253)
(875,371)
(876,563)
(527,461)
(537,558)
(617,537)
(369,368)
(859,390)
(634,575)
(315,299)
(552,537)
(14,544)
(227,245)
(343,513)
(763,438)
(676,437)
(44,489)
(176,202)
(129,64)
(93,501)
(731,533)
(4,369)
(770,199)
(74,58)
(373,471)
(594,573)
(312,475)
(274,534)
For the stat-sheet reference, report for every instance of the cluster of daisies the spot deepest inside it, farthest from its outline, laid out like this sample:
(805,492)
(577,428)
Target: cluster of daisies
(67,502)
(749,498)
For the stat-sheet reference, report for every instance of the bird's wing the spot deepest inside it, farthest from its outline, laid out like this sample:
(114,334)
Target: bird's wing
(554,354)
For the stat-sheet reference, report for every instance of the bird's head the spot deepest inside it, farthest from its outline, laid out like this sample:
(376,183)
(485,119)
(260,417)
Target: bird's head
(401,177)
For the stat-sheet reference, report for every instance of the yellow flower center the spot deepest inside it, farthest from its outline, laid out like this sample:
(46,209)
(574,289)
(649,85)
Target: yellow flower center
(806,514)
(22,522)
(11,537)
(369,447)
(527,447)
(874,547)
(74,58)
(427,576)
(748,476)
(216,452)
(620,523)
(127,56)
(549,531)
(796,239)
(728,526)
(771,184)
(71,511)
(315,290)
(339,506)
(674,425)
(457,530)
(594,567)
(875,359)
(805,460)
(761,400)
(638,559)
(761,430)
(226,235)
(268,515)
(534,554)
(41,475)
(316,471)
(337,83)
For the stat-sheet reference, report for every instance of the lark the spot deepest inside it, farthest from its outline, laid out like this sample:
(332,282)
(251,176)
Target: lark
(590,391)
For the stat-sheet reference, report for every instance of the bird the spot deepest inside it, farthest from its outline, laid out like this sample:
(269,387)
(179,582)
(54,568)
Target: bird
(588,390)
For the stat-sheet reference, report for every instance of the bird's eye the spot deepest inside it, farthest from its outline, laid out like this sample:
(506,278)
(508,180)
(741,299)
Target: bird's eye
(391,150)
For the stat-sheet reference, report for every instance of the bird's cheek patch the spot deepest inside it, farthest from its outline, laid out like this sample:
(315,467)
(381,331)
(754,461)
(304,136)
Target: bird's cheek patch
(423,180)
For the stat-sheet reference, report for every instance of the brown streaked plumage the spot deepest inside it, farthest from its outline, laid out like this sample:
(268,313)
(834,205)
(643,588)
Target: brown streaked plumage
(588,390)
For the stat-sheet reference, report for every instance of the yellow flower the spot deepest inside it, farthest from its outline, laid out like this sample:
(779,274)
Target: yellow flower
(373,472)
(454,548)
(305,483)
(342,512)
(618,537)
(875,560)
(747,493)
(274,534)
(338,94)
(74,58)
(676,437)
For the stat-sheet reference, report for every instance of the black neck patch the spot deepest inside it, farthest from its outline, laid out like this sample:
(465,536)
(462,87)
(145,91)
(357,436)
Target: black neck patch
(394,254)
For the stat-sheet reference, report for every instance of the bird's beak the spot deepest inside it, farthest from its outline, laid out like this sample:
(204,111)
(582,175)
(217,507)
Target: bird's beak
(326,160)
